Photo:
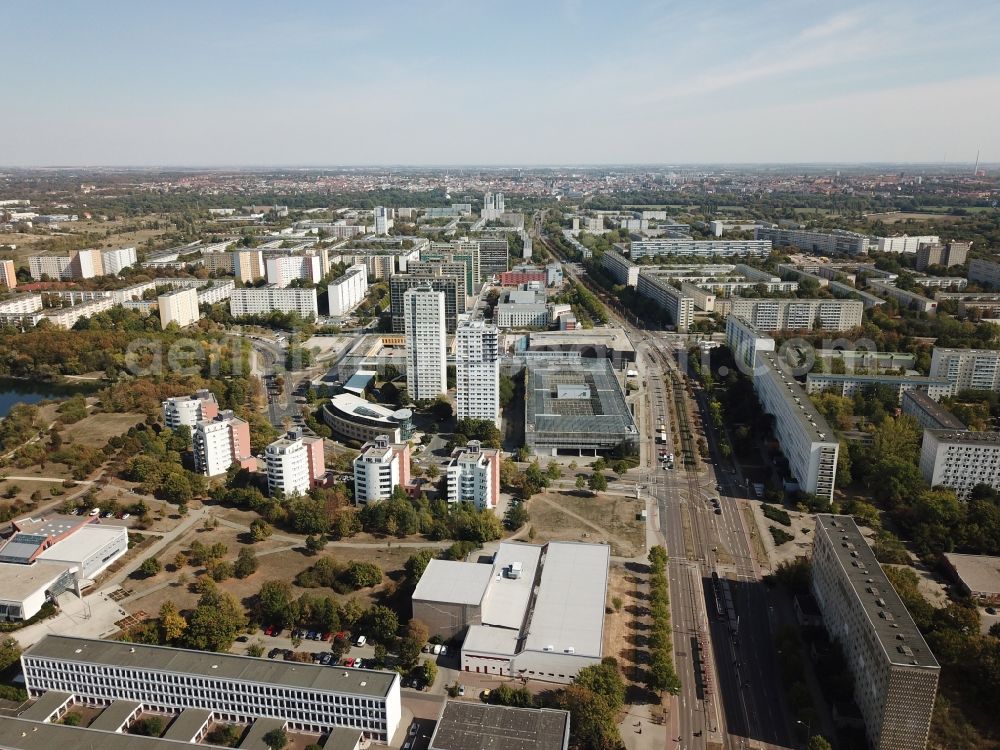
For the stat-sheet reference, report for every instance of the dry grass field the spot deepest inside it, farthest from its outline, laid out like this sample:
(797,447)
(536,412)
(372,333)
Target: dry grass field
(583,517)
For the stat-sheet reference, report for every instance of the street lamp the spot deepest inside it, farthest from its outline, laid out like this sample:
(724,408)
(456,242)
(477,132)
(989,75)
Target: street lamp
(807,725)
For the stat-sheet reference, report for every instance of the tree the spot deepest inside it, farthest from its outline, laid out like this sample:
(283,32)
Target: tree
(409,652)
(381,623)
(380,653)
(597,482)
(172,624)
(314,544)
(581,482)
(215,622)
(246,563)
(818,743)
(362,575)
(10,652)
(515,517)
(274,603)
(416,564)
(430,671)
(150,567)
(151,726)
(593,724)
(605,680)
(276,739)
(255,649)
(180,560)
(259,530)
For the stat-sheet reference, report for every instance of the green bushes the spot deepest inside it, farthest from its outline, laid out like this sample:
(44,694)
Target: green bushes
(776,514)
(661,675)
(780,536)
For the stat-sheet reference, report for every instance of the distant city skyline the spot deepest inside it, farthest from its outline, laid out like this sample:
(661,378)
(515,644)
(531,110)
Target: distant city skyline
(514,84)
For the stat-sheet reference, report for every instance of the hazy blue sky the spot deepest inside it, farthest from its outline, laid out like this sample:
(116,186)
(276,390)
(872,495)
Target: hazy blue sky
(179,82)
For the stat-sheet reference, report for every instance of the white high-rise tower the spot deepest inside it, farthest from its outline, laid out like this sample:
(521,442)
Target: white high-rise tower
(477,371)
(426,345)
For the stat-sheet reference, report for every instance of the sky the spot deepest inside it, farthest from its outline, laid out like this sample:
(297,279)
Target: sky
(328,82)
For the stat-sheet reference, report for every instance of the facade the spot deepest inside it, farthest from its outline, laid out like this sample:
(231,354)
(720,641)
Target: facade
(936,254)
(960,459)
(189,410)
(24,589)
(178,306)
(347,292)
(806,439)
(8,274)
(699,248)
(426,343)
(81,264)
(295,463)
(115,261)
(220,442)
(838,242)
(967,369)
(799,314)
(986,305)
(282,270)
(379,468)
(89,551)
(361,421)
(474,476)
(848,385)
(678,305)
(452,287)
(576,406)
(904,243)
(248,265)
(744,341)
(977,575)
(268,299)
(477,371)
(928,412)
(984,272)
(620,268)
(383,220)
(494,256)
(464,725)
(523,275)
(493,206)
(522,308)
(910,300)
(308,697)
(895,674)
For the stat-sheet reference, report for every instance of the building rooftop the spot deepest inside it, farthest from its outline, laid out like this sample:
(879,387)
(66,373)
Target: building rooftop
(885,379)
(348,403)
(604,413)
(187,724)
(476,726)
(20,734)
(453,581)
(967,437)
(980,573)
(491,640)
(54,525)
(897,633)
(254,738)
(569,606)
(798,400)
(506,600)
(83,543)
(114,716)
(944,418)
(47,704)
(359,381)
(224,666)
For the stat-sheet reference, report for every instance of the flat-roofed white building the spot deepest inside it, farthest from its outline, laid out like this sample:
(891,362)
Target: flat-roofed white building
(477,371)
(24,589)
(380,468)
(268,299)
(294,463)
(799,314)
(117,260)
(309,697)
(698,248)
(967,369)
(848,385)
(347,292)
(960,459)
(89,550)
(178,306)
(426,343)
(806,439)
(744,341)
(678,305)
(474,476)
(220,442)
(282,270)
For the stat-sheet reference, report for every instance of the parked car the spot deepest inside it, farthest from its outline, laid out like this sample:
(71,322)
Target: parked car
(327,636)
(273,652)
(485,695)
(361,641)
(461,690)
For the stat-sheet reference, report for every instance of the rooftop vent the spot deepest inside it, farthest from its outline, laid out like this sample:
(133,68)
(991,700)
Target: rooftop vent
(548,648)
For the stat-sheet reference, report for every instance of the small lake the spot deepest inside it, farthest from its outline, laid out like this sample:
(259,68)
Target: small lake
(14,392)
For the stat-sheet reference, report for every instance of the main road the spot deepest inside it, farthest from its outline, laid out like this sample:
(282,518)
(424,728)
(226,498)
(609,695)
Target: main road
(731,693)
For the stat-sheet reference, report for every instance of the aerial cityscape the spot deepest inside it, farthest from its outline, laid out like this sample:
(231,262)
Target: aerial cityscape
(657,408)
